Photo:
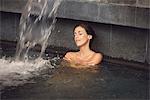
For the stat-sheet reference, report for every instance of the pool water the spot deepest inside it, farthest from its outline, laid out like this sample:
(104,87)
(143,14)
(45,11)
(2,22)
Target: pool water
(106,81)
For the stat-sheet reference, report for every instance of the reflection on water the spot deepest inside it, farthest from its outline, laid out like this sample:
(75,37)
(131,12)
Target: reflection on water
(104,82)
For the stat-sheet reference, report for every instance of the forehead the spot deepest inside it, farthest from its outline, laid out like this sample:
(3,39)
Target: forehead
(79,28)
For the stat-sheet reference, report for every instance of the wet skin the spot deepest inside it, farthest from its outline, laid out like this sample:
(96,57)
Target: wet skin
(85,57)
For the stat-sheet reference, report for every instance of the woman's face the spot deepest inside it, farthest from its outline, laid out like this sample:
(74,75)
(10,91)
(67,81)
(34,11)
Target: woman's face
(80,36)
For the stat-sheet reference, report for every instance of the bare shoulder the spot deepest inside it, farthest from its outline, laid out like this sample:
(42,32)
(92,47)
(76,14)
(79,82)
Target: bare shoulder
(69,55)
(98,58)
(98,55)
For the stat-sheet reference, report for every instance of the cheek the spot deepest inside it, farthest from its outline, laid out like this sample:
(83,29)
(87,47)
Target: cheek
(84,38)
(81,37)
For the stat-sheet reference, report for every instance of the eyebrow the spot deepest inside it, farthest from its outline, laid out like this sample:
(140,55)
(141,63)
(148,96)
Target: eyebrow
(78,32)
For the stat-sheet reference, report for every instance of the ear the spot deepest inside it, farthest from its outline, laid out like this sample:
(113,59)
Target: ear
(90,36)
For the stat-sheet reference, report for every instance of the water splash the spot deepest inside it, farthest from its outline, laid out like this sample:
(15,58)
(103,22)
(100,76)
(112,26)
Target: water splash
(13,73)
(36,24)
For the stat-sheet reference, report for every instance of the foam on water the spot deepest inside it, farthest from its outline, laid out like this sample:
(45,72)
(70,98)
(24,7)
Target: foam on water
(13,73)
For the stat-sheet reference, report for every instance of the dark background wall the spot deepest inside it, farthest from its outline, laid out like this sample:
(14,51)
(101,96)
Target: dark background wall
(112,40)
(121,12)
(122,26)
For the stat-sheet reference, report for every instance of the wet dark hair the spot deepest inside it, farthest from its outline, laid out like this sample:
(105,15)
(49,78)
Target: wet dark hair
(88,29)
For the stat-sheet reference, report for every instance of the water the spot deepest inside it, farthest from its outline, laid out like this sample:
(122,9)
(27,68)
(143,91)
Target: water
(31,76)
(14,73)
(105,82)
(36,24)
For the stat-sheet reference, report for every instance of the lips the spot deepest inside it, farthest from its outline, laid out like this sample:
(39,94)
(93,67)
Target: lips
(77,40)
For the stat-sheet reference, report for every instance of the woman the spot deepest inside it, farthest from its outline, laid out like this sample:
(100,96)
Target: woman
(83,35)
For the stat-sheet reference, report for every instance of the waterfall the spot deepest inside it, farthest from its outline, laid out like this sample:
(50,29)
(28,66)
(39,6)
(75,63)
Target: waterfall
(36,24)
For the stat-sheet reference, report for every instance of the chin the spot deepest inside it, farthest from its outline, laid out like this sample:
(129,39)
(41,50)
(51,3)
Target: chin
(79,44)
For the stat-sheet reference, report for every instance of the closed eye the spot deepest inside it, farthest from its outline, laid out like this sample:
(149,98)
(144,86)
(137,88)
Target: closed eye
(80,33)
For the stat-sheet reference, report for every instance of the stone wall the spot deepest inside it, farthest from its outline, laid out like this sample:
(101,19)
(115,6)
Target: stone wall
(112,40)
(9,24)
(133,13)
(115,41)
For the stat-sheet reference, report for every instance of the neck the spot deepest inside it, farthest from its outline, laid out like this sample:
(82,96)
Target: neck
(84,50)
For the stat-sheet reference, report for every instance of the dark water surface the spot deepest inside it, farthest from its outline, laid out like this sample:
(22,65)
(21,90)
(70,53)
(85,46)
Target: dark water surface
(106,82)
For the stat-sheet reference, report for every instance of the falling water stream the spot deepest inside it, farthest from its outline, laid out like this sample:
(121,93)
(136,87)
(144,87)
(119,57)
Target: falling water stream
(36,24)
